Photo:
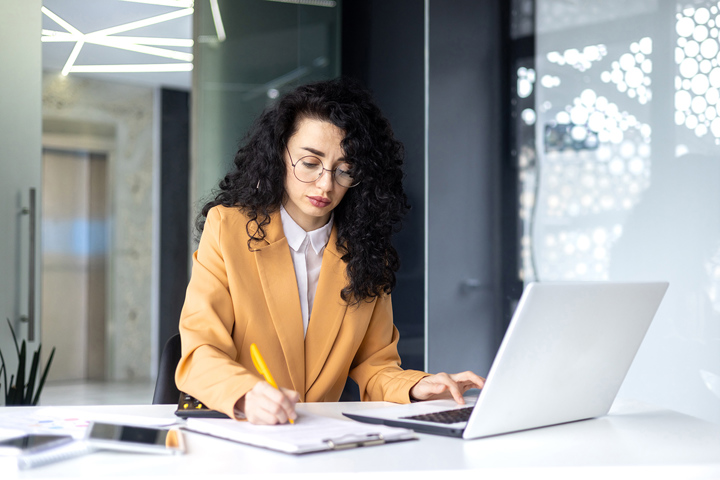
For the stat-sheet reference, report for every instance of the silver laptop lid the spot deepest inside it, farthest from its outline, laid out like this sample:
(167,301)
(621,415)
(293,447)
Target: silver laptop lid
(565,354)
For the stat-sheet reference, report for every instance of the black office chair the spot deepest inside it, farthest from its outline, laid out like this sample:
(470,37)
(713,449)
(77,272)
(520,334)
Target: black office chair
(165,389)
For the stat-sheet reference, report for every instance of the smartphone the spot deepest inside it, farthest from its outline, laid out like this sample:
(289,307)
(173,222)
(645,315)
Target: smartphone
(32,443)
(109,436)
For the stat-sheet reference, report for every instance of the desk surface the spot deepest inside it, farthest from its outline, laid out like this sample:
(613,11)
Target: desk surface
(634,440)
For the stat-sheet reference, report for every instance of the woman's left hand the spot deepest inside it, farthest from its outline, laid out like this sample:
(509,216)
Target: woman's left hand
(443,385)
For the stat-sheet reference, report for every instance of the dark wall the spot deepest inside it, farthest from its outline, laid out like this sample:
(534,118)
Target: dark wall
(465,131)
(382,46)
(174,208)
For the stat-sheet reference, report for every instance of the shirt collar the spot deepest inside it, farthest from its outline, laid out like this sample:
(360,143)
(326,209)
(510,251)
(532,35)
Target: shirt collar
(296,235)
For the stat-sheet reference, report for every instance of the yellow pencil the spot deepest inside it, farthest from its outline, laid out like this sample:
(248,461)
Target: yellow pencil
(262,368)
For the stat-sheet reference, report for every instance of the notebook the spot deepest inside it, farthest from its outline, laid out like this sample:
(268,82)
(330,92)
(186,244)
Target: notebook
(563,358)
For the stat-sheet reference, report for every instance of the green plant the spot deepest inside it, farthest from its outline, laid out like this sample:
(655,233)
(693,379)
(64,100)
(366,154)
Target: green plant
(21,393)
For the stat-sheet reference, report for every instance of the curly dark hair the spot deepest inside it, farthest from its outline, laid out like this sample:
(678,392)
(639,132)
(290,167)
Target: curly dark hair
(368,214)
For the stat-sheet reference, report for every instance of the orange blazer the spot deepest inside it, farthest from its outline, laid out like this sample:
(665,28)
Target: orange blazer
(237,297)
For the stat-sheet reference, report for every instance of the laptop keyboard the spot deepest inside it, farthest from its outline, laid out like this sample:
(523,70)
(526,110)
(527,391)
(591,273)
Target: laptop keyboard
(446,416)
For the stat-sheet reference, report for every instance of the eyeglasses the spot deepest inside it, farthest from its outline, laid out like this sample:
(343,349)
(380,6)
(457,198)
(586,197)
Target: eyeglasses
(309,169)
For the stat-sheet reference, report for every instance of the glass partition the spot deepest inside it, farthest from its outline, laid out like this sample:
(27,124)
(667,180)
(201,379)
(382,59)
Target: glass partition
(248,52)
(622,181)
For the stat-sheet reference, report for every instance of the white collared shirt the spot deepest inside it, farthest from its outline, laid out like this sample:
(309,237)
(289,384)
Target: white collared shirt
(307,261)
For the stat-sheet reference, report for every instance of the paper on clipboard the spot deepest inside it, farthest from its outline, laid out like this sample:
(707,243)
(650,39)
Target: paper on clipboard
(310,433)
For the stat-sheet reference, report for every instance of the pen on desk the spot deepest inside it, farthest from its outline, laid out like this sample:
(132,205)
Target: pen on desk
(262,368)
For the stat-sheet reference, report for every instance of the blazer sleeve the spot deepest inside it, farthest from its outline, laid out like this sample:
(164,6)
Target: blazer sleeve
(376,367)
(208,369)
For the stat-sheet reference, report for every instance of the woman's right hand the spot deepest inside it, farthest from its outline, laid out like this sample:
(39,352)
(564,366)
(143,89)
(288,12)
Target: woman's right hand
(266,405)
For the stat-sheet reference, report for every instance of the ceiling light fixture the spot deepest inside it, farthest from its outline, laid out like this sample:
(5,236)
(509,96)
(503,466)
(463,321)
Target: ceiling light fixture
(145,22)
(135,44)
(71,59)
(55,36)
(219,27)
(139,68)
(60,21)
(158,52)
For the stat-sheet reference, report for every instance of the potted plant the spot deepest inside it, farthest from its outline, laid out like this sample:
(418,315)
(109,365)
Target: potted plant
(17,392)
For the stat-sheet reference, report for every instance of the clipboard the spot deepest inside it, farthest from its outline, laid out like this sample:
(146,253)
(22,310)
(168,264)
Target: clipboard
(309,434)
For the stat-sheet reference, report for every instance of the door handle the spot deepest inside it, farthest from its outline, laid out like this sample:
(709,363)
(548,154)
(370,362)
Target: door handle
(470,284)
(31,210)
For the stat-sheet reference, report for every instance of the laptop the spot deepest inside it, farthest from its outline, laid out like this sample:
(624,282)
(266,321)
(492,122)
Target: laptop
(563,358)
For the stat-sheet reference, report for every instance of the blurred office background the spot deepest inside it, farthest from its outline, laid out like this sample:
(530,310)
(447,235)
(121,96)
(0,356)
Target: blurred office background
(545,140)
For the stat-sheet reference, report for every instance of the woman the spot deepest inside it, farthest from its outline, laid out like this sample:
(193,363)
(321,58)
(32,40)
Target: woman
(295,256)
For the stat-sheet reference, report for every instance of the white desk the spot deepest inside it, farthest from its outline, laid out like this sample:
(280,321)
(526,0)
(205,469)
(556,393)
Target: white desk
(634,441)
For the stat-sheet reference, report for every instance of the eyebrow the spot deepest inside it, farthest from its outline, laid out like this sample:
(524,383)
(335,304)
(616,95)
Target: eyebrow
(314,152)
(320,154)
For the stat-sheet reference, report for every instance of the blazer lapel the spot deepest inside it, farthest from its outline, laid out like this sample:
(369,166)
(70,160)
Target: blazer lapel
(327,313)
(279,284)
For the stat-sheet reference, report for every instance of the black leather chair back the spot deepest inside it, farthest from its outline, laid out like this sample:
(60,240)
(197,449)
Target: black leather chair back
(165,389)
